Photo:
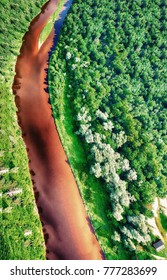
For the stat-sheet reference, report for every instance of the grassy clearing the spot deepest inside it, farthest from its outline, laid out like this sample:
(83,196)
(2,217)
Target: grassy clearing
(162,225)
(48,27)
(161,222)
(163,219)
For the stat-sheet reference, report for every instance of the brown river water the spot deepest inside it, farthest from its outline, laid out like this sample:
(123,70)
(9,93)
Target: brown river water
(67,229)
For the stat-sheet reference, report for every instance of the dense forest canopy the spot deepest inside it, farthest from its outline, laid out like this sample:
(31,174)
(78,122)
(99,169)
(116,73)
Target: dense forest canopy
(107,84)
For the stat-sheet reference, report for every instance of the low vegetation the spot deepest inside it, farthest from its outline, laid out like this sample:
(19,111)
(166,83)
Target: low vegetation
(48,27)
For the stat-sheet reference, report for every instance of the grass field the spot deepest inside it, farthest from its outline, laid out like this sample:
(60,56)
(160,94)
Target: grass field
(48,27)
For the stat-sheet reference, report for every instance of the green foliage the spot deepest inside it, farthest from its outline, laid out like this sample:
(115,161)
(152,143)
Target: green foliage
(163,219)
(111,57)
(18,211)
(48,27)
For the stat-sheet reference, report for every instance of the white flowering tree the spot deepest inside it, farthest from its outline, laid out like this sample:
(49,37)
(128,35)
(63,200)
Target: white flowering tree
(68,55)
(132,175)
(107,162)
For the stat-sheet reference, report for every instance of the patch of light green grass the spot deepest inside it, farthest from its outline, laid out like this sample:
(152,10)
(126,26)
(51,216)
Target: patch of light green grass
(163,219)
(48,27)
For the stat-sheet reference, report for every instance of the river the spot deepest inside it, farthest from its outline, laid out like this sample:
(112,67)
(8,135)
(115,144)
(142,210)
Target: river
(67,229)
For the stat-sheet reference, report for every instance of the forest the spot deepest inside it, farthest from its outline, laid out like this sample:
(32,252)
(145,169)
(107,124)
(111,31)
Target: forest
(108,93)
(20,228)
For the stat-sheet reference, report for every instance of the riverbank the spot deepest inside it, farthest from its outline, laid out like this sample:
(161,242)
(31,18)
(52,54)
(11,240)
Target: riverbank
(95,199)
(67,230)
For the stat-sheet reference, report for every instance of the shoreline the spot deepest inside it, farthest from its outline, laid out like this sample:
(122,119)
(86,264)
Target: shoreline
(66,230)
